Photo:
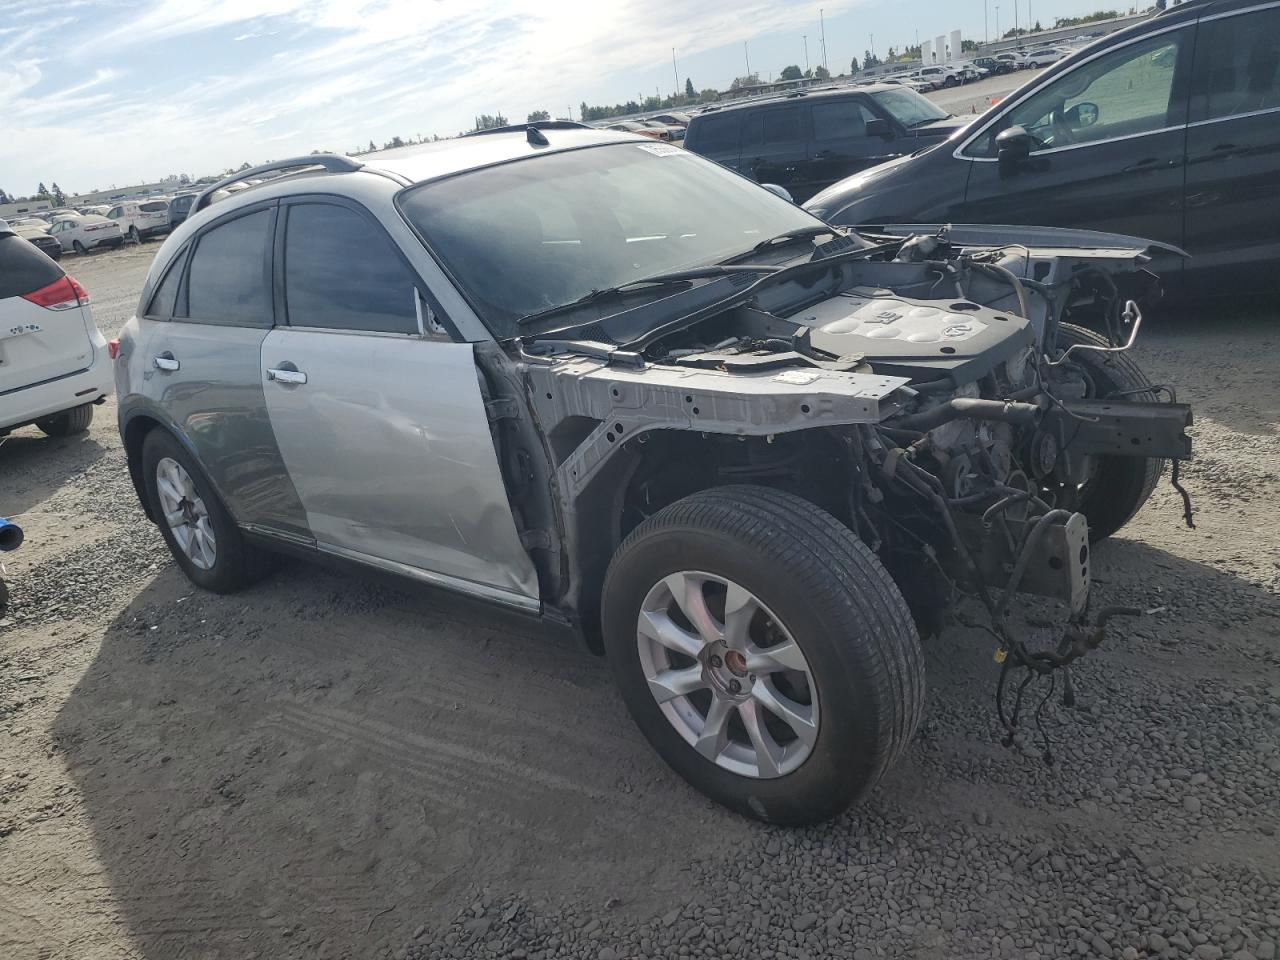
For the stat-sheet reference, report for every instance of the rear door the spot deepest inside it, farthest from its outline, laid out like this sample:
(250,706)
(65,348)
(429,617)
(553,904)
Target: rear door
(1110,139)
(1233,148)
(775,149)
(839,146)
(379,415)
(717,136)
(44,326)
(200,365)
(153,215)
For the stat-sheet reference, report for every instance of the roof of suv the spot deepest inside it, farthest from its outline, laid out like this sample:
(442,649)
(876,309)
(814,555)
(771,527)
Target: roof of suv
(806,94)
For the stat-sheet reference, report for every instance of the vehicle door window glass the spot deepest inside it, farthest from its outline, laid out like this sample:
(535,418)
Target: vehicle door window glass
(227,281)
(718,134)
(165,298)
(342,273)
(1126,92)
(1237,68)
(840,120)
(114,213)
(781,125)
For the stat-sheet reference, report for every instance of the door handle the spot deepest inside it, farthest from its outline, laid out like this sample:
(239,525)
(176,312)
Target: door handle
(166,362)
(284,375)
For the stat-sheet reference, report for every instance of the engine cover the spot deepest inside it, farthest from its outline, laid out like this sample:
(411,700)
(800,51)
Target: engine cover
(921,339)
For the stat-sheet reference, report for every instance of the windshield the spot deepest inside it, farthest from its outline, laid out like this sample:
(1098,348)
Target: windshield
(908,107)
(524,237)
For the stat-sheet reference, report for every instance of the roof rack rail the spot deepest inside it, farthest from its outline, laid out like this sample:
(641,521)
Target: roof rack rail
(329,162)
(534,125)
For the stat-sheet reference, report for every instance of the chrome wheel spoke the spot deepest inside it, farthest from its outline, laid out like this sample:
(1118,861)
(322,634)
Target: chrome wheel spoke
(715,730)
(739,609)
(174,517)
(768,753)
(658,626)
(783,656)
(797,716)
(686,589)
(169,492)
(676,683)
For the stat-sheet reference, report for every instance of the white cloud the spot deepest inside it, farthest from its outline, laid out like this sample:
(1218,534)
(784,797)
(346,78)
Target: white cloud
(350,70)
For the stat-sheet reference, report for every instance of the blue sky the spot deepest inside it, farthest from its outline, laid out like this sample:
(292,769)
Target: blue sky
(102,92)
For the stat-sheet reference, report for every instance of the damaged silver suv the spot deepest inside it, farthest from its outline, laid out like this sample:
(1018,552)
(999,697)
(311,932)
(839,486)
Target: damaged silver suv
(751,457)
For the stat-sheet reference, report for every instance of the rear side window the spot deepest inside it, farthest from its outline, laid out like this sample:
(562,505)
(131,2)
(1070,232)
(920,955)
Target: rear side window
(153,206)
(228,278)
(1237,68)
(23,268)
(840,120)
(776,126)
(342,273)
(166,295)
(716,134)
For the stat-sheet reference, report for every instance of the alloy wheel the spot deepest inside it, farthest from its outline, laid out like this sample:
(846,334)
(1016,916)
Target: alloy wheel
(185,513)
(727,675)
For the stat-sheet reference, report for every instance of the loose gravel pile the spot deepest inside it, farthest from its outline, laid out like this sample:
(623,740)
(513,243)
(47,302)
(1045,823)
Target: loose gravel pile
(329,767)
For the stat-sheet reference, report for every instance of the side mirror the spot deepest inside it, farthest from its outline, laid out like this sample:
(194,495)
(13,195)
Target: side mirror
(879,127)
(1082,115)
(1013,146)
(778,191)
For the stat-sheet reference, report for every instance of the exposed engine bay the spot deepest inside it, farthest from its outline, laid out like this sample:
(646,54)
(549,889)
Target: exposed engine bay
(938,397)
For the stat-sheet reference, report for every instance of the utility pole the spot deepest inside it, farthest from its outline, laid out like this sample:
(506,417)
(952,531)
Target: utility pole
(805,38)
(1015,20)
(746,56)
(873,44)
(675,70)
(822,28)
(986,32)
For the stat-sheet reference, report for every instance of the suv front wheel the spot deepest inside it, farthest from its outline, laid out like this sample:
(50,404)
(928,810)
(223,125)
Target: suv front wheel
(764,651)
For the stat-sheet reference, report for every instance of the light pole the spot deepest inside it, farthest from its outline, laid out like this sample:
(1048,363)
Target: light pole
(822,29)
(805,38)
(746,56)
(997,21)
(675,70)
(986,32)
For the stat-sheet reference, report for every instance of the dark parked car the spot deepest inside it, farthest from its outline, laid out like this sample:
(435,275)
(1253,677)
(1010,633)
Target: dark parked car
(1168,130)
(48,245)
(807,141)
(180,207)
(995,67)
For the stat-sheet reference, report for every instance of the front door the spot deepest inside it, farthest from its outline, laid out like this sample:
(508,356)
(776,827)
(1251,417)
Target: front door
(1233,150)
(1109,147)
(381,424)
(773,150)
(839,146)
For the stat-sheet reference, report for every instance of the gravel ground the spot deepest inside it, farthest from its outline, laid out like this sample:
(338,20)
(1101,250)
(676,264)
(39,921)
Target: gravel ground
(325,766)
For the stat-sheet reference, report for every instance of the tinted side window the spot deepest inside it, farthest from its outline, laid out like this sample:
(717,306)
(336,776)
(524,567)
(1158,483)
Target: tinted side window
(341,272)
(153,206)
(23,268)
(840,120)
(165,297)
(716,134)
(779,125)
(1237,68)
(228,278)
(1122,93)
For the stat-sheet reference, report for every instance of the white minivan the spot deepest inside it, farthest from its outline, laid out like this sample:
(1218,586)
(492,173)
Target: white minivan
(54,363)
(140,219)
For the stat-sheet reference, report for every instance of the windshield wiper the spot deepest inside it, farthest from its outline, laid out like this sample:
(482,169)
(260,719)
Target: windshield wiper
(658,280)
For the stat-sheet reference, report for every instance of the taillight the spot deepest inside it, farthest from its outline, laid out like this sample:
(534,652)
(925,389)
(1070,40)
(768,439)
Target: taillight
(62,294)
(113,348)
(81,292)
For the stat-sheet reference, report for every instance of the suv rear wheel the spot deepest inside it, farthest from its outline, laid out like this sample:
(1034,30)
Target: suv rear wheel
(764,652)
(201,534)
(64,424)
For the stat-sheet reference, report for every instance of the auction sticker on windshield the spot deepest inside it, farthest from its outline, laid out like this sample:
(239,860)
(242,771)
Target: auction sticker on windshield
(661,149)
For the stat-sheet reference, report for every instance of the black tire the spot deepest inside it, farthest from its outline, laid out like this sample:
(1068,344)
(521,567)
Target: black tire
(68,422)
(78,247)
(1119,485)
(835,599)
(237,563)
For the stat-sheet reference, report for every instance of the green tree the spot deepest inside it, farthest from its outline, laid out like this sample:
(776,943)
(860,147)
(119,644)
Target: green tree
(42,193)
(487,122)
(968,46)
(392,143)
(538,115)
(853,66)
(709,95)
(870,60)
(791,72)
(749,80)
(244,166)
(821,73)
(372,146)
(689,92)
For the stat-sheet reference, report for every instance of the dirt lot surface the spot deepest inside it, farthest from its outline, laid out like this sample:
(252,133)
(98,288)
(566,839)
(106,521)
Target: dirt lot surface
(328,767)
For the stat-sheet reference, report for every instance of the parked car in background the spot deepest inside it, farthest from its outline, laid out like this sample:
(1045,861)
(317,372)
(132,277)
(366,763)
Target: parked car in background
(81,234)
(180,207)
(995,66)
(140,219)
(1168,129)
(53,360)
(970,72)
(805,142)
(1014,58)
(657,131)
(96,208)
(673,119)
(940,76)
(1044,56)
(52,215)
(36,231)
(672,132)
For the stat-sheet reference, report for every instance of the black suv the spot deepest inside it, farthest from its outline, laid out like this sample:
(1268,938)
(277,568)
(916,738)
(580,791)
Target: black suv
(808,140)
(180,207)
(1169,130)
